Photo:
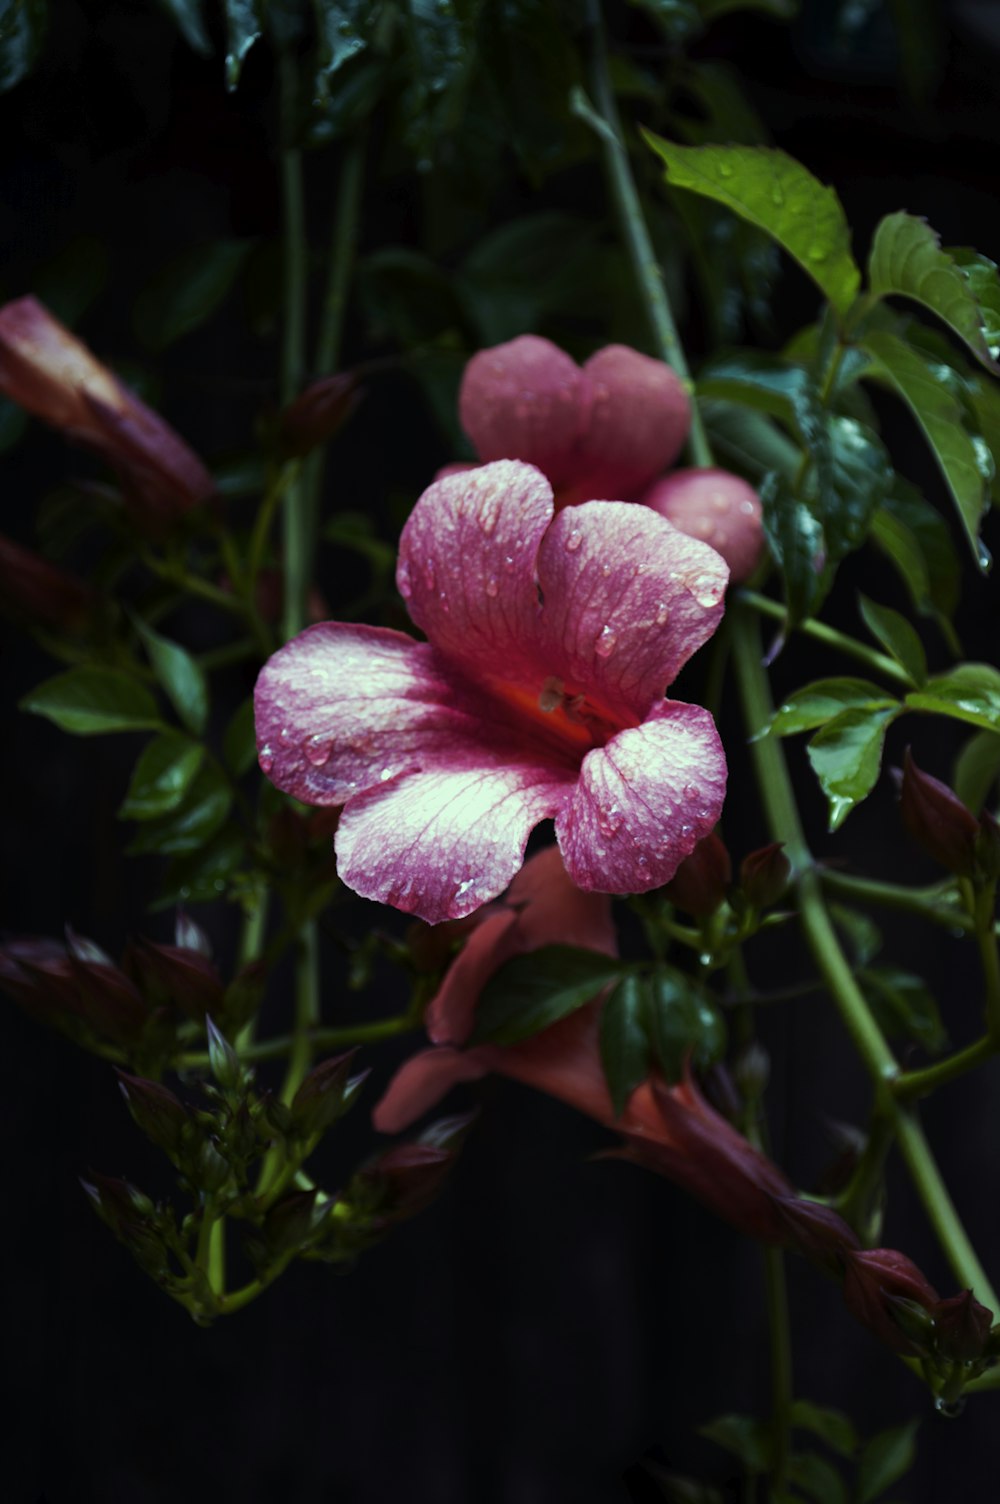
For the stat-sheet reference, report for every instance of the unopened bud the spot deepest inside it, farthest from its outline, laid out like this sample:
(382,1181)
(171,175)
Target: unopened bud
(317,413)
(156,1111)
(324,1096)
(700,882)
(817,1232)
(764,875)
(290,1223)
(871,1278)
(39,593)
(938,820)
(963,1327)
(223,1059)
(174,976)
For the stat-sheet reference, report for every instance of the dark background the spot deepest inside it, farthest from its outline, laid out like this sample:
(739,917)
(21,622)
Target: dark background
(551,1319)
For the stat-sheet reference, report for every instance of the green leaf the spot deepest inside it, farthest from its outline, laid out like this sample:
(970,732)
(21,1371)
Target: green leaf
(777,194)
(897,636)
(819,702)
(23,24)
(917,382)
(750,441)
(768,383)
(187,14)
(532,991)
(796,540)
(92,701)
(343,33)
(970,693)
(162,776)
(831,1426)
(239,742)
(193,823)
(846,756)
(915,537)
(903,1007)
(682,1023)
(243,27)
(203,875)
(183,679)
(907,259)
(624,1045)
(861,933)
(853,477)
(744,1436)
(977,769)
(817,1478)
(887,1457)
(407,295)
(529,268)
(981,278)
(186,292)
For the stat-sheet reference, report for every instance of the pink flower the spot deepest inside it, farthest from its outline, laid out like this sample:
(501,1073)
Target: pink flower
(716,506)
(538,695)
(48,371)
(601,431)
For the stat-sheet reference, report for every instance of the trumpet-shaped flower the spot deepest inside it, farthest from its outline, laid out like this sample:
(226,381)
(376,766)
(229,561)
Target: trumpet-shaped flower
(538,695)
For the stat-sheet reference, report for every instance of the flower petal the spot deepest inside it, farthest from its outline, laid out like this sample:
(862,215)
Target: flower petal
(716,506)
(526,400)
(342,707)
(440,842)
(627,600)
(467,565)
(639,420)
(452,1009)
(644,801)
(422,1081)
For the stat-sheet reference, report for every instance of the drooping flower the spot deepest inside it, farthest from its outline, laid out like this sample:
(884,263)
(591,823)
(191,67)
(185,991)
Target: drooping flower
(538,695)
(716,506)
(605,429)
(49,372)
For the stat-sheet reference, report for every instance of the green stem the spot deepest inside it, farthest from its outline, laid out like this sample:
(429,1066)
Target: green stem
(298,549)
(986,939)
(634,231)
(319,1040)
(913,1084)
(879,663)
(783,816)
(781,1365)
(923,901)
(217,1257)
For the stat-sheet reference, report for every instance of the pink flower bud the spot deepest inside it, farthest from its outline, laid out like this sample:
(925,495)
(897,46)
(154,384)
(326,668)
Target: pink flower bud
(938,820)
(764,875)
(717,507)
(700,882)
(318,412)
(962,1327)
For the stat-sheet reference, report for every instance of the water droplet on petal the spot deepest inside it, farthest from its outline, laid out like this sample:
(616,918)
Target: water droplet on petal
(317,750)
(488,517)
(509,560)
(662,614)
(430,579)
(642,861)
(707,589)
(403,579)
(720,502)
(385,775)
(443,598)
(605,644)
(747,508)
(266,759)
(573,540)
(691,791)
(605,570)
(492,587)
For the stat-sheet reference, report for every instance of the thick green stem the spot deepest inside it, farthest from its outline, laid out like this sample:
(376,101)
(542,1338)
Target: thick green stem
(879,663)
(319,1041)
(781,1366)
(306,1011)
(634,230)
(927,902)
(297,542)
(783,816)
(913,1084)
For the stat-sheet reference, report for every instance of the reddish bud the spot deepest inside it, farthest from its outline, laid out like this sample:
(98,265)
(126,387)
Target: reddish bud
(41,593)
(174,976)
(872,1280)
(817,1232)
(160,1115)
(962,1327)
(317,413)
(700,882)
(324,1096)
(719,508)
(938,820)
(764,875)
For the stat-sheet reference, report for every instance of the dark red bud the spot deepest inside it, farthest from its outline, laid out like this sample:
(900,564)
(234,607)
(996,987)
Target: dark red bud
(963,1327)
(290,1223)
(700,882)
(874,1276)
(938,820)
(764,875)
(817,1232)
(160,1115)
(174,976)
(324,1096)
(33,590)
(317,413)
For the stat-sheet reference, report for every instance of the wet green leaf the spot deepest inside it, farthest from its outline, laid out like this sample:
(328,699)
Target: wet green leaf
(91,701)
(777,194)
(162,776)
(846,755)
(186,292)
(532,991)
(903,1007)
(203,810)
(939,415)
(682,1022)
(23,24)
(205,874)
(977,768)
(915,537)
(897,636)
(624,1044)
(817,1478)
(244,24)
(796,539)
(817,703)
(970,693)
(180,675)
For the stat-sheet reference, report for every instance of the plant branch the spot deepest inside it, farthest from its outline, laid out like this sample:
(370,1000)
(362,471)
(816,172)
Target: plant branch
(879,663)
(923,901)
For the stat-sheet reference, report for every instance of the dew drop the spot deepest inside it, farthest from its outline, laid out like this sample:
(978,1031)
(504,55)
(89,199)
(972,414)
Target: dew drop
(642,861)
(317,750)
(385,775)
(403,579)
(691,791)
(720,501)
(430,579)
(983,556)
(573,540)
(816,253)
(509,561)
(725,170)
(488,517)
(605,644)
(662,614)
(266,759)
(443,599)
(492,587)
(707,589)
(950,1409)
(686,828)
(605,570)
(747,508)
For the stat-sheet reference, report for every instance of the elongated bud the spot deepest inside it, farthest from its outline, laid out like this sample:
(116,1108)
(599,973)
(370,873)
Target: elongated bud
(871,1278)
(324,1096)
(938,820)
(318,413)
(174,976)
(223,1059)
(817,1232)
(700,882)
(962,1327)
(160,1115)
(764,875)
(41,593)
